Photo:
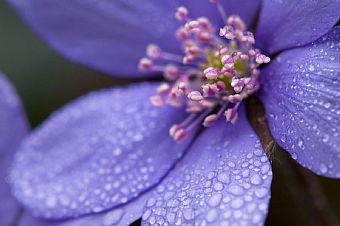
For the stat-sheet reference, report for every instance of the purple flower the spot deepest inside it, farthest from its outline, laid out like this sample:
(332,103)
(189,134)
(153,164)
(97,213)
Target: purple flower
(13,128)
(107,158)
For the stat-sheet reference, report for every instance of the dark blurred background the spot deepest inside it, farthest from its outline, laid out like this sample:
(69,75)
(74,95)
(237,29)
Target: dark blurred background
(45,81)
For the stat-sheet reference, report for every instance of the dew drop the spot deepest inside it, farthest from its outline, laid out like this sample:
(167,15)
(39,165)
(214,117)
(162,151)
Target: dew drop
(215,200)
(117,151)
(237,203)
(212,215)
(323,168)
(261,192)
(311,67)
(236,190)
(256,179)
(51,202)
(224,177)
(218,186)
(300,143)
(294,155)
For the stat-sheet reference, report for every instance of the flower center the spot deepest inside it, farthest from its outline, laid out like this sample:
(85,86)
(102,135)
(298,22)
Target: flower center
(216,73)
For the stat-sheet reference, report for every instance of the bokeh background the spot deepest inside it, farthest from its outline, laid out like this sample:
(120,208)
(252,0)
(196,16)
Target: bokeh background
(46,81)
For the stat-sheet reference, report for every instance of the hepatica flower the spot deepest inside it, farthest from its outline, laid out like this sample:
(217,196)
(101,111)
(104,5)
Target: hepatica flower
(13,128)
(119,154)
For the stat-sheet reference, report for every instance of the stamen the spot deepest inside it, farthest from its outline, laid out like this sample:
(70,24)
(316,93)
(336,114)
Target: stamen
(211,119)
(199,119)
(216,73)
(231,114)
(220,9)
(182,14)
(145,64)
(195,96)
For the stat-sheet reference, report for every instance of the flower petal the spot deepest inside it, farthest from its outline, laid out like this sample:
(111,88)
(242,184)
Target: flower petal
(96,153)
(13,128)
(110,36)
(292,23)
(246,9)
(224,179)
(120,216)
(301,95)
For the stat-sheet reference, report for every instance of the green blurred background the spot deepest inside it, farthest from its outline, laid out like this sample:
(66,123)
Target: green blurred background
(45,81)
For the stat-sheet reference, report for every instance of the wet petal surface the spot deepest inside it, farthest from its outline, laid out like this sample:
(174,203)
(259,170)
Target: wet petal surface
(96,153)
(13,128)
(224,179)
(104,35)
(120,216)
(292,23)
(301,95)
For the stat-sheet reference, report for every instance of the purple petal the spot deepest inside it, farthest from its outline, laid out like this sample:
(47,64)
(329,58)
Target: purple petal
(292,23)
(301,95)
(110,36)
(120,216)
(246,9)
(13,128)
(223,180)
(98,152)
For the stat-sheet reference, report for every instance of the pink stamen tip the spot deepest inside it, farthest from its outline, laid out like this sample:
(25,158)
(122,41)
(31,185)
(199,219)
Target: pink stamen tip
(182,13)
(153,51)
(234,98)
(180,135)
(228,61)
(187,59)
(231,115)
(222,51)
(204,23)
(182,89)
(227,32)
(195,96)
(236,22)
(192,26)
(145,64)
(163,89)
(192,50)
(252,52)
(205,37)
(244,57)
(260,59)
(208,90)
(235,82)
(171,72)
(210,120)
(211,73)
(157,101)
(220,86)
(173,129)
(182,34)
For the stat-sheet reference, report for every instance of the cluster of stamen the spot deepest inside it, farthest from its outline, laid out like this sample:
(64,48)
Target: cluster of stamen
(216,73)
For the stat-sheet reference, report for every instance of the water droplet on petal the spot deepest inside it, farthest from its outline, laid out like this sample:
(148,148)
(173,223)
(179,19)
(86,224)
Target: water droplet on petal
(323,168)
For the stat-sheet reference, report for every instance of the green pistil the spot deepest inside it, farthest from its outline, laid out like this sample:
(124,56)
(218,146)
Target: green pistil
(213,61)
(241,67)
